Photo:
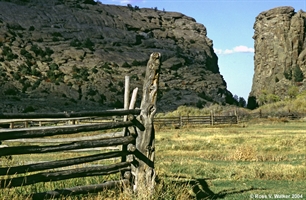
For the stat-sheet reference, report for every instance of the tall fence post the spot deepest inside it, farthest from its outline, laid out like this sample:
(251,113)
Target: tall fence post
(145,142)
(126,106)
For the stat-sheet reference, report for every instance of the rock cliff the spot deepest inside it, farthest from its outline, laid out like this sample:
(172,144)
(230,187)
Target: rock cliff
(280,54)
(60,55)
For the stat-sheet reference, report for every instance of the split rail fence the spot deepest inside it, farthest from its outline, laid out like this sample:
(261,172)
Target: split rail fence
(136,166)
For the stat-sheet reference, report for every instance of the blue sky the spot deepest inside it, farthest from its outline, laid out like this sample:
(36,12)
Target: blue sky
(229,24)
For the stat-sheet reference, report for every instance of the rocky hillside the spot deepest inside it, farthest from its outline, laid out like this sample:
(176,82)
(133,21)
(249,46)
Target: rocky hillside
(60,55)
(280,55)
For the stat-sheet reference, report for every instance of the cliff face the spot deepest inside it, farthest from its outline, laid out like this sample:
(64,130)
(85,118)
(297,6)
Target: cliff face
(74,54)
(280,53)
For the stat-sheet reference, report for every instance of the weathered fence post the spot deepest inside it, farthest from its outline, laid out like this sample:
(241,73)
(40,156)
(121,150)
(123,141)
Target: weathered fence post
(181,121)
(212,118)
(145,142)
(126,106)
(237,117)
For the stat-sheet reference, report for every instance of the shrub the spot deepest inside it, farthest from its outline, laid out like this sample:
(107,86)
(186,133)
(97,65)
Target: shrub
(91,92)
(10,91)
(25,53)
(102,99)
(293,92)
(16,76)
(200,104)
(15,26)
(94,70)
(75,43)
(288,74)
(49,51)
(26,85)
(55,39)
(80,73)
(271,98)
(56,34)
(262,98)
(117,104)
(204,96)
(11,56)
(88,44)
(32,28)
(135,77)
(53,66)
(28,109)
(126,65)
(35,72)
(37,50)
(136,63)
(54,74)
(36,84)
(25,70)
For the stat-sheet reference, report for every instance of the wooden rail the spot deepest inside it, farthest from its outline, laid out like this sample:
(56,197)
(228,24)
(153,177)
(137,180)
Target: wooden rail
(204,120)
(138,134)
(29,174)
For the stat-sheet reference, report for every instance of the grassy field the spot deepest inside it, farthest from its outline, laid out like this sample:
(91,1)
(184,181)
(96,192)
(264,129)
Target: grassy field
(234,162)
(225,162)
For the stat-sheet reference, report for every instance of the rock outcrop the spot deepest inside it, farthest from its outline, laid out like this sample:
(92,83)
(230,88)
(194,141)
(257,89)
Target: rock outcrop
(60,55)
(280,53)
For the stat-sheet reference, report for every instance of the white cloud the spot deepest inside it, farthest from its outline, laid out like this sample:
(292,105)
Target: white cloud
(125,1)
(128,1)
(237,49)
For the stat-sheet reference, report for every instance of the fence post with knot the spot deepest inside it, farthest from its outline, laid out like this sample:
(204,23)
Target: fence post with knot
(143,169)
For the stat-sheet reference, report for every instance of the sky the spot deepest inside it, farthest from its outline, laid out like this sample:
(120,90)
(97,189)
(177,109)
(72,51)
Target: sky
(229,24)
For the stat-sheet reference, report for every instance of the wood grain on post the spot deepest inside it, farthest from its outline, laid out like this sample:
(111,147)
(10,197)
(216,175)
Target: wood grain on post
(126,107)
(145,142)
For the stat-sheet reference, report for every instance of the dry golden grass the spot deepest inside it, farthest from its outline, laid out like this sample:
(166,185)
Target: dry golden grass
(262,157)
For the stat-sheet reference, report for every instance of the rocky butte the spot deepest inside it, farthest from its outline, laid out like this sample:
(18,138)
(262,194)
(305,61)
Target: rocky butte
(58,55)
(280,55)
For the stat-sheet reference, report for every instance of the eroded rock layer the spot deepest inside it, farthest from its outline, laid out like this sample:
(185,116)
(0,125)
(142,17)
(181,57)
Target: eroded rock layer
(280,53)
(73,55)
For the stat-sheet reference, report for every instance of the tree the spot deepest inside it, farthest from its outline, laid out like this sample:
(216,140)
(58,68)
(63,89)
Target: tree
(241,102)
(252,103)
(298,74)
(236,97)
(92,2)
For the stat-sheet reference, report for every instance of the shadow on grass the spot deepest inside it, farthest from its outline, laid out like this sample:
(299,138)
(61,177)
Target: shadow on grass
(201,189)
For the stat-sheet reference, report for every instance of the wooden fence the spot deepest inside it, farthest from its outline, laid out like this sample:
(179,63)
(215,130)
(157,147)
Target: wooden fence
(204,120)
(137,162)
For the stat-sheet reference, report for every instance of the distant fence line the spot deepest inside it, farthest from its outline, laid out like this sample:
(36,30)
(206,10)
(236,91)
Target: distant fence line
(261,115)
(204,120)
(18,121)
